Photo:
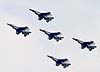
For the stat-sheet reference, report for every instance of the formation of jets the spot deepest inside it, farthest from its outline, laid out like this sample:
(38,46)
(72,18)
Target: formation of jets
(64,62)
(89,44)
(52,35)
(23,30)
(46,16)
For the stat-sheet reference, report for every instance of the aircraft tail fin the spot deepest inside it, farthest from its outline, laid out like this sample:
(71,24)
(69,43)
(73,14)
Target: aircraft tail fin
(61,38)
(91,48)
(65,65)
(49,19)
(25,33)
(58,38)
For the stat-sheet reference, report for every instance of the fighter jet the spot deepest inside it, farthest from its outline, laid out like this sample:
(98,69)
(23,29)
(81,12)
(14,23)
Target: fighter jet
(54,35)
(89,44)
(63,62)
(23,30)
(45,16)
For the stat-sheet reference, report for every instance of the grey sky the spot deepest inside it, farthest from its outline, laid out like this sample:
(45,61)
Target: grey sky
(74,18)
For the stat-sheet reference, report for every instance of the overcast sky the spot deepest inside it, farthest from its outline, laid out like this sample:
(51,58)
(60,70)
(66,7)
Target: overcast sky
(73,18)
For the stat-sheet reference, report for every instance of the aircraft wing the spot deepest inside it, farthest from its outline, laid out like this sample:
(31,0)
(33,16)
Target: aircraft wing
(63,60)
(18,32)
(40,18)
(50,38)
(90,42)
(57,64)
(47,13)
(23,28)
(56,33)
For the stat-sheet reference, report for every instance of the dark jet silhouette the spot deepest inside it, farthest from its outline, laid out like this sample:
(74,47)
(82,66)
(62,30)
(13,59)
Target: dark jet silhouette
(52,35)
(23,30)
(63,62)
(88,44)
(45,16)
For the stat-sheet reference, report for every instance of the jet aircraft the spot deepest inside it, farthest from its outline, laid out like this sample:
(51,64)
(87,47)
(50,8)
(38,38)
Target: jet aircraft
(89,44)
(45,16)
(64,62)
(54,35)
(23,30)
